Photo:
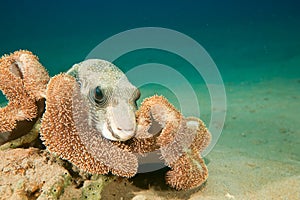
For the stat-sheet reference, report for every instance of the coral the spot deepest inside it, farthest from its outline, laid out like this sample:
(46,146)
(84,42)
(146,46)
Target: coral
(159,126)
(35,174)
(92,188)
(89,151)
(77,125)
(180,141)
(23,81)
(81,116)
(26,173)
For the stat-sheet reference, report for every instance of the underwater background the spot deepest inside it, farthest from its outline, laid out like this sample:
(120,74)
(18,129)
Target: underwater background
(254,44)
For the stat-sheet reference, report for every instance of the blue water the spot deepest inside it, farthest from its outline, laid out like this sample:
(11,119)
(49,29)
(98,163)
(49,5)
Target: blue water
(237,34)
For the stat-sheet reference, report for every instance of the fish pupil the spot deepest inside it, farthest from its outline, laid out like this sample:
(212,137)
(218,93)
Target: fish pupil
(98,95)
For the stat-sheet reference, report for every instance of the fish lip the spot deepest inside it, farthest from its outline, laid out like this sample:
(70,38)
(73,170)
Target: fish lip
(121,121)
(110,134)
(121,133)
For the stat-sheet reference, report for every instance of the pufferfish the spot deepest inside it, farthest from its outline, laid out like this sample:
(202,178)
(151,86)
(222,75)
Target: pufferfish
(111,98)
(91,121)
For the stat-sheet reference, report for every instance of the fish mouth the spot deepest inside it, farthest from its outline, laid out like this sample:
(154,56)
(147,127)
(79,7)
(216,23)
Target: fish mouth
(113,133)
(120,122)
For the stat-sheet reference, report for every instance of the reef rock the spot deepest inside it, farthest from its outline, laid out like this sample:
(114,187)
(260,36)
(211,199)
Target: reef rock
(34,174)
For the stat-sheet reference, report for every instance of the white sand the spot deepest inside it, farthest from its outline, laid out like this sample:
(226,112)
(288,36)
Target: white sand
(258,153)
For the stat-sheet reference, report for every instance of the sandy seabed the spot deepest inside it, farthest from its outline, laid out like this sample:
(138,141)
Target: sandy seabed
(256,157)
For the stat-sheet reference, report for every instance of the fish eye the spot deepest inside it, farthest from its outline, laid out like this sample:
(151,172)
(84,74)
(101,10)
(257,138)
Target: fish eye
(99,97)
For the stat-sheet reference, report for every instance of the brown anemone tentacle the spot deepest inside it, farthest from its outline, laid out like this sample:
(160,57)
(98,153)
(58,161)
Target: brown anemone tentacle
(157,110)
(188,172)
(180,140)
(23,81)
